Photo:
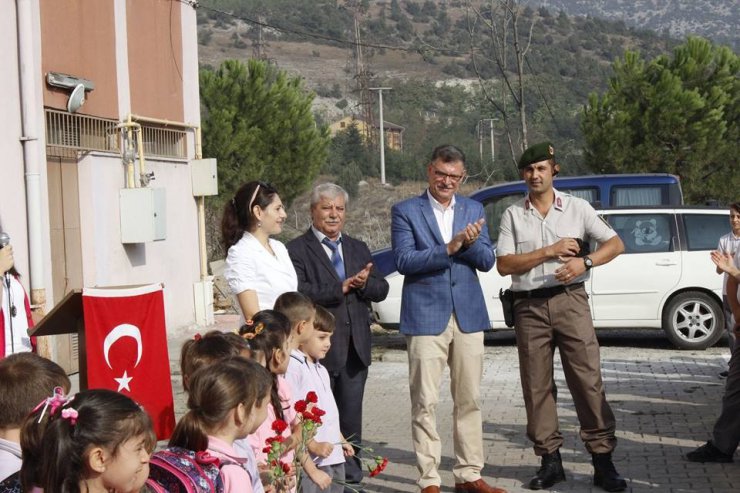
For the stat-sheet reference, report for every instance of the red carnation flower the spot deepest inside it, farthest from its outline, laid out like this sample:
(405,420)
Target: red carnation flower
(279,426)
(300,406)
(318,412)
(267,450)
(312,397)
(286,467)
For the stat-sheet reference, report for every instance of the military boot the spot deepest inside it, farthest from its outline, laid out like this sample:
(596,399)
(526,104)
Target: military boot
(549,473)
(605,474)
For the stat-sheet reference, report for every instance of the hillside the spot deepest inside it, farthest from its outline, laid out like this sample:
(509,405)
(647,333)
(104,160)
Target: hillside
(422,49)
(708,18)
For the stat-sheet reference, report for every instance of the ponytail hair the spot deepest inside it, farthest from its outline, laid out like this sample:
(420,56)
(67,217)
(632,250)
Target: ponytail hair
(203,350)
(215,390)
(239,211)
(266,333)
(58,435)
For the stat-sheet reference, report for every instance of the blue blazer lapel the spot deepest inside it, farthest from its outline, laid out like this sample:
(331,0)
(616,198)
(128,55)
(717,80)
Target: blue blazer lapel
(459,220)
(428,214)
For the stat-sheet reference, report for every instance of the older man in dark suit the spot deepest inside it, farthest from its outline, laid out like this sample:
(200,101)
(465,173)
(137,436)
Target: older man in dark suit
(335,271)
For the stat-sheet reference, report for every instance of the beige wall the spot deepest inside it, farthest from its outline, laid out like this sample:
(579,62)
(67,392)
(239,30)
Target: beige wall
(155,58)
(78,39)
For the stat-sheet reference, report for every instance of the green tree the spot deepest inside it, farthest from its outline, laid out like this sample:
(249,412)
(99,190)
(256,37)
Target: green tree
(257,122)
(676,114)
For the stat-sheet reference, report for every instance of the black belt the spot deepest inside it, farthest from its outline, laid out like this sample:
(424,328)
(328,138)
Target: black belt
(546,292)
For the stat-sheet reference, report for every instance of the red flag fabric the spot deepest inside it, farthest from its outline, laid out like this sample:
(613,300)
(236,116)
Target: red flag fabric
(126,346)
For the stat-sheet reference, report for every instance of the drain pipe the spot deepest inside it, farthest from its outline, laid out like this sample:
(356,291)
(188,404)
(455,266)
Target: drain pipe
(31,157)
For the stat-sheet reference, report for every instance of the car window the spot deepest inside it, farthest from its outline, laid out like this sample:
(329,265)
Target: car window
(495,208)
(703,231)
(590,195)
(643,233)
(636,195)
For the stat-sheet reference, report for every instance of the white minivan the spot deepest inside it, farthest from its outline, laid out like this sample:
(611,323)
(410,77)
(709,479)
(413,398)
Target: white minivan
(664,279)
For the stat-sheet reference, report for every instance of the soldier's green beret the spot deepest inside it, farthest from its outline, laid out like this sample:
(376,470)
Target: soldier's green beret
(536,153)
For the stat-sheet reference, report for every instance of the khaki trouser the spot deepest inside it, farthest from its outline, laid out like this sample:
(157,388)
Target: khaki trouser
(428,355)
(563,320)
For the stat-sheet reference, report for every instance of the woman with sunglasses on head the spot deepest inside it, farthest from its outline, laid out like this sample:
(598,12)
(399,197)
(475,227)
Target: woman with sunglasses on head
(15,309)
(258,268)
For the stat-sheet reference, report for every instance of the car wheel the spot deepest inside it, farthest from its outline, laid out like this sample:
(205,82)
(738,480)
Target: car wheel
(693,320)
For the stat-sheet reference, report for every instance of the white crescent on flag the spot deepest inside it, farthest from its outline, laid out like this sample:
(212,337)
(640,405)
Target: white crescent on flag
(123,330)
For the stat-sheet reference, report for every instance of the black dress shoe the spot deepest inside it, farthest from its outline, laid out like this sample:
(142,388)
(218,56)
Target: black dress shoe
(605,474)
(708,453)
(549,473)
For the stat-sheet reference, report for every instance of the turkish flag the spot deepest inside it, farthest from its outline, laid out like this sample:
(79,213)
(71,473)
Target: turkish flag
(126,346)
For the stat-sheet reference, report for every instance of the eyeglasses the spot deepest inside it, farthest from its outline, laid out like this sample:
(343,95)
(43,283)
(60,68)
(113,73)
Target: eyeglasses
(442,176)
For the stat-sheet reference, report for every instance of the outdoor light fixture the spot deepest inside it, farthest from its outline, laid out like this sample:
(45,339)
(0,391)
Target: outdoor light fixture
(77,84)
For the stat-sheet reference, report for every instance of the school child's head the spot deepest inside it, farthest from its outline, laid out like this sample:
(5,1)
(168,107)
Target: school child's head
(99,440)
(268,335)
(241,344)
(735,217)
(228,396)
(204,350)
(25,380)
(320,342)
(301,311)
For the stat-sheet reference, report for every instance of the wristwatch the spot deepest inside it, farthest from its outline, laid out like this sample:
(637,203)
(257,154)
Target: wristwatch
(588,262)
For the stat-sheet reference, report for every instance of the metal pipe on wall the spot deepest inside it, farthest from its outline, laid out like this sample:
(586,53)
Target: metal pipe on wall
(32,156)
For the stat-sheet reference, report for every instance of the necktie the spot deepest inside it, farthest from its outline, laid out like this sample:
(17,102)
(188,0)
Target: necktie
(336,258)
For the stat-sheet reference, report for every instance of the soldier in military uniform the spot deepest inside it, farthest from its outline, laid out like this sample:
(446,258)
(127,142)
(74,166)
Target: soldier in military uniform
(542,245)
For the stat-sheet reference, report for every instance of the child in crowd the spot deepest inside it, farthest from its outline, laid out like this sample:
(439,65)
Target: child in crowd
(730,245)
(301,311)
(227,400)
(94,442)
(25,380)
(201,351)
(268,334)
(305,374)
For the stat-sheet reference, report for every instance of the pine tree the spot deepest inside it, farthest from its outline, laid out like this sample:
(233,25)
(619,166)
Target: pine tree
(677,114)
(258,123)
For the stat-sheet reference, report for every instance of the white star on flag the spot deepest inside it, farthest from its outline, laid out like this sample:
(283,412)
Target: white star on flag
(123,382)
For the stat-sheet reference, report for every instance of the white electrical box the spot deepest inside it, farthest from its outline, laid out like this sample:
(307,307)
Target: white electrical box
(205,177)
(143,215)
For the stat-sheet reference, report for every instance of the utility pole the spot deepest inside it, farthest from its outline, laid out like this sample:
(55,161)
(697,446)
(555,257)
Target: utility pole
(493,139)
(381,137)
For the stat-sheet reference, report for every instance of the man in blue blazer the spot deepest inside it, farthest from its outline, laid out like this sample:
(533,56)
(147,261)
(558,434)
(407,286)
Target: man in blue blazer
(439,243)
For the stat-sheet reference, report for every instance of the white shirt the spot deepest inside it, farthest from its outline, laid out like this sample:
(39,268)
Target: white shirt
(10,458)
(304,376)
(444,216)
(729,243)
(523,230)
(249,265)
(21,341)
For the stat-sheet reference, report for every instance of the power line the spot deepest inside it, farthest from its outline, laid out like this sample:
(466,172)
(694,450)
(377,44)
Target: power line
(324,37)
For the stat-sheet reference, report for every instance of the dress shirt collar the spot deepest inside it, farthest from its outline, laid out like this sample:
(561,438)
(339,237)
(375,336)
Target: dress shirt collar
(320,236)
(436,205)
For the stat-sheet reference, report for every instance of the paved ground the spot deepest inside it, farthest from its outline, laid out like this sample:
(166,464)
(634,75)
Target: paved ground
(665,402)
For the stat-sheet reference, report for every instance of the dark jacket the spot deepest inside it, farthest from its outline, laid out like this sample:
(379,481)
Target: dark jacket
(318,280)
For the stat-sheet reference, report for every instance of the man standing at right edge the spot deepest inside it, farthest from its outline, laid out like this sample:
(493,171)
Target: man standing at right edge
(541,244)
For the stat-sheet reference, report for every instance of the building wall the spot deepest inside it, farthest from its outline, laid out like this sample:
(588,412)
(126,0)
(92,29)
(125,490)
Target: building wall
(79,39)
(132,50)
(12,191)
(108,262)
(155,58)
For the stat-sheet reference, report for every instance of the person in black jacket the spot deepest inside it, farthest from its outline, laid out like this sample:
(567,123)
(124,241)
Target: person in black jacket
(336,272)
